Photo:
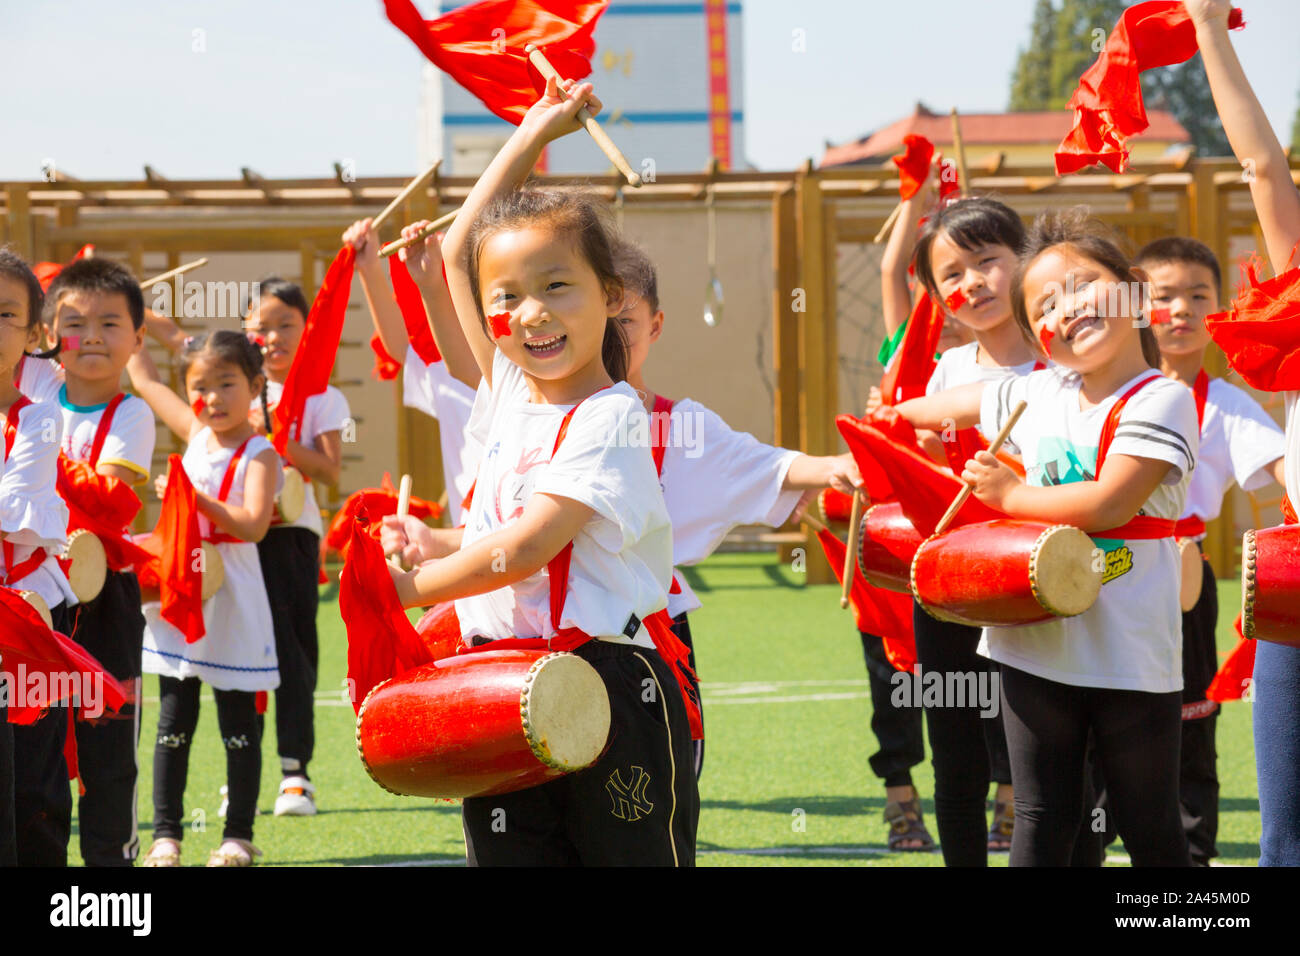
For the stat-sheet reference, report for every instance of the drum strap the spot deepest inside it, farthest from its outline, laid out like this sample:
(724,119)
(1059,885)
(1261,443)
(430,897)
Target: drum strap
(37,558)
(662,412)
(227,480)
(1141,527)
(1288,510)
(105,424)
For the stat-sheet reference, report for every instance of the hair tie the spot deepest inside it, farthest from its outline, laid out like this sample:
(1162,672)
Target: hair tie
(256,339)
(189,340)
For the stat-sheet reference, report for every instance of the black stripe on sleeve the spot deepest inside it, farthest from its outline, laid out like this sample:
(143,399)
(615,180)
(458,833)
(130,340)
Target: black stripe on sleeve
(1159,430)
(1159,441)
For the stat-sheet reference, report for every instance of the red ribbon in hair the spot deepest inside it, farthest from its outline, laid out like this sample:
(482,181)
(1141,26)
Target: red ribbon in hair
(481,46)
(1108,102)
(1260,332)
(310,372)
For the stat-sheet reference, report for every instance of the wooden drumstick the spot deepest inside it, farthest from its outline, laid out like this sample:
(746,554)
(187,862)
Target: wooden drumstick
(440,223)
(538,59)
(847,577)
(403,509)
(889,224)
(965,493)
(960,150)
(812,522)
(416,183)
(173,273)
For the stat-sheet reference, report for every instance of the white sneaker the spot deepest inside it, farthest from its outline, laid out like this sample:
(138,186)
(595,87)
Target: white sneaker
(297,798)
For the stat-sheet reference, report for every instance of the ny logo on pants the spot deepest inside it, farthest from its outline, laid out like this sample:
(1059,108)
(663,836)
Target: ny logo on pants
(629,799)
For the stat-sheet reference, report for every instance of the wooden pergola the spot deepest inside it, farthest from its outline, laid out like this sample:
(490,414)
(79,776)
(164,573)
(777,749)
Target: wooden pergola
(812,211)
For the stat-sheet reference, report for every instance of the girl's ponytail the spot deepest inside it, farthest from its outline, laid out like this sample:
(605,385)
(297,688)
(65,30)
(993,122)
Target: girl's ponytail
(613,350)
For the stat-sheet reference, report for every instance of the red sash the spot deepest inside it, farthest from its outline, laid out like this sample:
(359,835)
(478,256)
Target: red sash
(1141,527)
(662,412)
(658,624)
(16,572)
(228,479)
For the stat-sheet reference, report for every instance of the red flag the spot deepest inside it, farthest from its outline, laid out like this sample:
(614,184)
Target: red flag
(376,504)
(1108,102)
(1260,332)
(407,294)
(887,614)
(26,641)
(104,505)
(47,272)
(381,641)
(913,363)
(913,164)
(172,548)
(924,489)
(310,372)
(481,46)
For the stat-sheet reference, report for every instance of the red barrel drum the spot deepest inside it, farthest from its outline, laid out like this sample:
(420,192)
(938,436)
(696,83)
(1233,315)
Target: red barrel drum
(1006,572)
(835,506)
(1270,585)
(483,723)
(887,542)
(439,628)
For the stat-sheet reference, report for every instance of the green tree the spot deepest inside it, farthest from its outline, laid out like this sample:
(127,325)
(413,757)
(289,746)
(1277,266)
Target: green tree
(1031,83)
(1184,90)
(1081,30)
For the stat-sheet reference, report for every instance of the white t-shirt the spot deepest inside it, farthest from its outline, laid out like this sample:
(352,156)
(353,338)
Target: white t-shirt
(325,411)
(1239,440)
(714,479)
(432,390)
(40,379)
(622,558)
(130,439)
(958,366)
(32,515)
(1291,465)
(1131,639)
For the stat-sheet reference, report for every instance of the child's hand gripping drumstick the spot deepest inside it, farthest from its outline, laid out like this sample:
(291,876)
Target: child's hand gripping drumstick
(543,65)
(403,509)
(965,493)
(846,579)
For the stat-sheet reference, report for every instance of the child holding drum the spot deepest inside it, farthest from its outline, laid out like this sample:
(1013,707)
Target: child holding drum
(236,474)
(1239,443)
(1109,445)
(35,802)
(535,268)
(1277,204)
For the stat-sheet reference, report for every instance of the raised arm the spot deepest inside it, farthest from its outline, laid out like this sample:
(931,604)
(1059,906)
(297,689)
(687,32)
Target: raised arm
(163,330)
(1277,202)
(895,296)
(166,404)
(424,262)
(384,313)
(955,408)
(550,117)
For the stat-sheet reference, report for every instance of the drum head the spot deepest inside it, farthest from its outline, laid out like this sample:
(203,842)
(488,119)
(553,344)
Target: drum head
(1193,574)
(293,496)
(214,570)
(1064,575)
(38,602)
(87,565)
(565,712)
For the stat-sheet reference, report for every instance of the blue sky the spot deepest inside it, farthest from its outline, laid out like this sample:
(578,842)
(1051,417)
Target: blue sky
(289,87)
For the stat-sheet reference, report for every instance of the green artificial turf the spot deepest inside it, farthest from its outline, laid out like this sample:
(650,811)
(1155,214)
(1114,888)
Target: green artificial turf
(786,780)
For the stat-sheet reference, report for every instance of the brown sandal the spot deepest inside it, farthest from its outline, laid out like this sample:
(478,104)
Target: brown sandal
(1004,824)
(905,824)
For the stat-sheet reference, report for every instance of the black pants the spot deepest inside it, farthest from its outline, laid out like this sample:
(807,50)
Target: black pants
(682,628)
(290,559)
(967,750)
(1136,736)
(1198,788)
(638,805)
(8,839)
(897,729)
(111,627)
(178,715)
(42,794)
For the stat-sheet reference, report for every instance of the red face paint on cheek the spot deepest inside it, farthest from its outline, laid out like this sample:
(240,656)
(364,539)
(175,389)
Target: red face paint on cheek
(1160,317)
(1045,335)
(955,301)
(499,324)
(199,407)
(70,343)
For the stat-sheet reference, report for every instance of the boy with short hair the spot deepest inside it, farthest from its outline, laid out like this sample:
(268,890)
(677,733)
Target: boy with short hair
(95,309)
(1239,442)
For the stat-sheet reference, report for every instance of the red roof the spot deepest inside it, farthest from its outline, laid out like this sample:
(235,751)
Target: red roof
(988,129)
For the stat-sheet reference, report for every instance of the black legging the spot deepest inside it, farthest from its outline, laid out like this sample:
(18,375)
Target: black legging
(967,749)
(1136,736)
(178,715)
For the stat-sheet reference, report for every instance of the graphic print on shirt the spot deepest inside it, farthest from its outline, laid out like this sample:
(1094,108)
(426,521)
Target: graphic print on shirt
(515,485)
(1060,462)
